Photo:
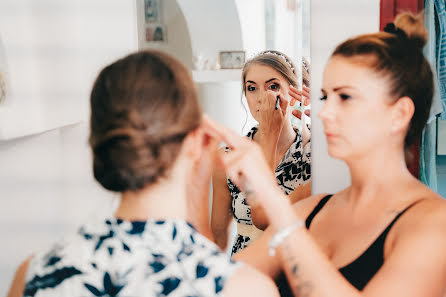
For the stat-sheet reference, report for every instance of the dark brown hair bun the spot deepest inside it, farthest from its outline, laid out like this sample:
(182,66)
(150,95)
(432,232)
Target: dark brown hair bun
(142,107)
(414,28)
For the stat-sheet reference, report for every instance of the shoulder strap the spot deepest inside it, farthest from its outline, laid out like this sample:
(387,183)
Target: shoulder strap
(386,231)
(316,210)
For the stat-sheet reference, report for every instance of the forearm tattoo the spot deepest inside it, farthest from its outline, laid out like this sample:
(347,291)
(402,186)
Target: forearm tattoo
(300,287)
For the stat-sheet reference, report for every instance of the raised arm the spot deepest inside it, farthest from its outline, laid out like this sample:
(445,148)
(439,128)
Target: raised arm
(404,272)
(257,254)
(308,269)
(248,281)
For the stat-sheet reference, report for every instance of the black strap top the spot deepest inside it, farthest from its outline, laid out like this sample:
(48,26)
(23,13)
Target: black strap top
(360,271)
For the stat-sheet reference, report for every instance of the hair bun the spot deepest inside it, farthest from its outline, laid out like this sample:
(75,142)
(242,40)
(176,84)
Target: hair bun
(124,160)
(413,26)
(142,107)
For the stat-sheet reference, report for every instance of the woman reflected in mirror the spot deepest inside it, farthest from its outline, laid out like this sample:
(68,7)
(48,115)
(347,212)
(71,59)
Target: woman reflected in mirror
(269,82)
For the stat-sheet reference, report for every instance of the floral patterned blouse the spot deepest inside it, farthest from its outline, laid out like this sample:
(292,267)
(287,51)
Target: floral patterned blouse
(131,258)
(293,170)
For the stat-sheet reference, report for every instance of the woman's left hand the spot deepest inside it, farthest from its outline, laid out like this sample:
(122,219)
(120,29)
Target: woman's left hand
(303,97)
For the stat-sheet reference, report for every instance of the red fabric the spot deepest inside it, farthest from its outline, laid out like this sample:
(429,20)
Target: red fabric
(388,10)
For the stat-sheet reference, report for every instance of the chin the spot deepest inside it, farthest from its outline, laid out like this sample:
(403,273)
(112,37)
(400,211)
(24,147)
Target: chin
(336,152)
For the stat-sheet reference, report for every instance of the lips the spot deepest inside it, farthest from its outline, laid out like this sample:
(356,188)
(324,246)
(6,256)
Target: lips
(330,134)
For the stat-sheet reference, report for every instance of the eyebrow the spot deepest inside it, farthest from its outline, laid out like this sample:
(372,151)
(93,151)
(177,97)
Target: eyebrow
(339,88)
(250,81)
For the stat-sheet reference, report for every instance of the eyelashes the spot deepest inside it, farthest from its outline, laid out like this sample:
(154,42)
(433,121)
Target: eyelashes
(344,97)
(273,87)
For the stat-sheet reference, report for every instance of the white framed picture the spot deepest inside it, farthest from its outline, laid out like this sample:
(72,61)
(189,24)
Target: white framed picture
(232,59)
(152,11)
(155,33)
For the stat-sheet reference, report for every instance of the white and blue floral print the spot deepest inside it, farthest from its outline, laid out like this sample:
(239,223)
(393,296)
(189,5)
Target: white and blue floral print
(125,258)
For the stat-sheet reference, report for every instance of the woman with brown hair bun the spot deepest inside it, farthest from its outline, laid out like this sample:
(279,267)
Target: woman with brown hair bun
(148,145)
(384,235)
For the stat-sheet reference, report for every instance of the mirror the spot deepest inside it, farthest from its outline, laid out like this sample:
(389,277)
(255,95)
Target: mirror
(209,37)
(44,115)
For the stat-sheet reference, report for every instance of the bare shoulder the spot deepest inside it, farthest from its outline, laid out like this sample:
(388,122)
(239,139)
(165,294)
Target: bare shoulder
(415,258)
(248,281)
(424,222)
(428,212)
(18,284)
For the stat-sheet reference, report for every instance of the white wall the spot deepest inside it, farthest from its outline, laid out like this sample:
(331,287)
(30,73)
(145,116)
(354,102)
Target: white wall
(222,101)
(213,25)
(252,21)
(286,30)
(54,49)
(196,28)
(331,23)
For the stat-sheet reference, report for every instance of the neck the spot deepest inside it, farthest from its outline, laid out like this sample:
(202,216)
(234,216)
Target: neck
(154,202)
(168,199)
(372,178)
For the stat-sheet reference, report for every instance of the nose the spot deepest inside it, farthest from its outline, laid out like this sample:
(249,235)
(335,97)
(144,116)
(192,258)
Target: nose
(328,111)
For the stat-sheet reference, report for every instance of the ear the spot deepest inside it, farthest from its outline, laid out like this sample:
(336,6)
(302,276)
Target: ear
(193,144)
(402,112)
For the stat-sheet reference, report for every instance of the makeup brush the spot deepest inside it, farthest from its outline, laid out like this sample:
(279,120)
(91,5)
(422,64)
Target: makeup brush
(277,102)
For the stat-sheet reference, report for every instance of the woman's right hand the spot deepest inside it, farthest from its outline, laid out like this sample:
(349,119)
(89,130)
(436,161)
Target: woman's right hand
(271,120)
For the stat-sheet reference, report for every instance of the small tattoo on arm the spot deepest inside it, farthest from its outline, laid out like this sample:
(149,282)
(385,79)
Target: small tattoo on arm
(294,270)
(300,287)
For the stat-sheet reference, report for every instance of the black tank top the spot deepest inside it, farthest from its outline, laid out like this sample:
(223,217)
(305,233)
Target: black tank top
(360,271)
